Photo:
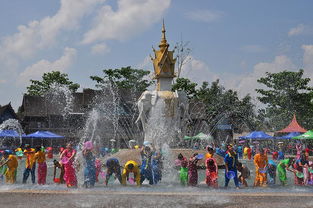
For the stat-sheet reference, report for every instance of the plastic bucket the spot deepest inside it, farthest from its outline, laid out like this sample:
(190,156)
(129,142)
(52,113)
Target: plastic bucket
(131,181)
(300,175)
(19,153)
(102,174)
(88,145)
(57,180)
(200,156)
(64,160)
(262,170)
(230,174)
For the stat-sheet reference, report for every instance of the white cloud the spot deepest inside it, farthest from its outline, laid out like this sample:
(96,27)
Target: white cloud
(308,57)
(300,29)
(308,61)
(247,83)
(253,48)
(37,35)
(100,48)
(36,70)
(130,18)
(198,71)
(204,15)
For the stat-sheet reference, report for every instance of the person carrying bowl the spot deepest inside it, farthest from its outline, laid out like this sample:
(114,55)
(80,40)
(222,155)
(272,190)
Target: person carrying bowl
(260,162)
(231,160)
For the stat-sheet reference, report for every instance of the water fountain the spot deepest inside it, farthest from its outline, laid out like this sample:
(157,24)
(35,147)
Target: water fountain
(161,110)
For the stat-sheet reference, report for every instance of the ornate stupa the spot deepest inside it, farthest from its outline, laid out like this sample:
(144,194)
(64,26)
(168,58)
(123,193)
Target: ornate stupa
(164,64)
(160,110)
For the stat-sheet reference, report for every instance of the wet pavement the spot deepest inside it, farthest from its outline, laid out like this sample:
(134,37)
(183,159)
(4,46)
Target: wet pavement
(165,194)
(148,197)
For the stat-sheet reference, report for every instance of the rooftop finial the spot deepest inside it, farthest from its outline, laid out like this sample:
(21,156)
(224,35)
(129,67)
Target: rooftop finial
(163,42)
(163,31)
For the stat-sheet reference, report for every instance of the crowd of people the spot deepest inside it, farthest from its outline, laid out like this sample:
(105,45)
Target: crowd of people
(265,169)
(66,167)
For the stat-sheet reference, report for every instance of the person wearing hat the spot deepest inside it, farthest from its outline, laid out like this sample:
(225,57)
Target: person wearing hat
(231,160)
(11,162)
(260,162)
(30,165)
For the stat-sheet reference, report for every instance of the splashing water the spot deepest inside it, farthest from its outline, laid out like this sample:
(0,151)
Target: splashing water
(162,130)
(61,97)
(13,124)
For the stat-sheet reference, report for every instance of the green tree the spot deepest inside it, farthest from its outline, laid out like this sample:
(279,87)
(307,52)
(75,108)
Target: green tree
(183,84)
(218,104)
(222,104)
(286,93)
(124,78)
(48,80)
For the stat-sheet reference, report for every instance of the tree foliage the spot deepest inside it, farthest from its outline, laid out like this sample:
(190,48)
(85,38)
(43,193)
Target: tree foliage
(48,80)
(220,104)
(125,78)
(183,84)
(286,93)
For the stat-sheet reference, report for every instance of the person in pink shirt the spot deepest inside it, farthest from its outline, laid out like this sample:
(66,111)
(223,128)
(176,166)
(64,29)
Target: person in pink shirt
(67,159)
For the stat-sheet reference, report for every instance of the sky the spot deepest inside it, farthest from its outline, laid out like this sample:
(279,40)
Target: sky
(234,41)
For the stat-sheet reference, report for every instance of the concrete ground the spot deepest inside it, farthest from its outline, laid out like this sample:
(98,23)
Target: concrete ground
(147,197)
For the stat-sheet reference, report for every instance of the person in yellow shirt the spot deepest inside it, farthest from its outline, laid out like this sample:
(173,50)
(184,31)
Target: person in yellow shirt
(30,165)
(12,163)
(245,152)
(131,167)
(40,157)
(260,162)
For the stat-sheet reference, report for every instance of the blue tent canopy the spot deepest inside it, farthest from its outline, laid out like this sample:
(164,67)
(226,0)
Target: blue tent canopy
(290,135)
(53,135)
(44,135)
(257,135)
(9,133)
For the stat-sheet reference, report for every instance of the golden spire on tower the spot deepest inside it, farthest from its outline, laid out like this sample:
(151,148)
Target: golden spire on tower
(163,61)
(163,44)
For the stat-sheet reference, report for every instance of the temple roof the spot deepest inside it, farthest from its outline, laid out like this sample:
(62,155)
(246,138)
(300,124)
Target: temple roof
(293,127)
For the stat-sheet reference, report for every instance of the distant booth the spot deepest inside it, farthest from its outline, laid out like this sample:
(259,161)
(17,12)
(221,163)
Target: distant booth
(287,137)
(198,141)
(257,137)
(293,127)
(43,138)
